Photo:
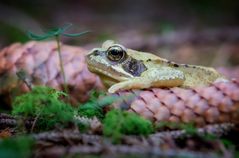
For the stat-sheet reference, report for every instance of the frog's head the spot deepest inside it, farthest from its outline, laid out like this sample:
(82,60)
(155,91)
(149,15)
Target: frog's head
(114,63)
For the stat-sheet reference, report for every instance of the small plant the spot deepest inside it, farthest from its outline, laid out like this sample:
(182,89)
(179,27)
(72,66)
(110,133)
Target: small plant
(94,106)
(56,33)
(117,123)
(20,146)
(43,104)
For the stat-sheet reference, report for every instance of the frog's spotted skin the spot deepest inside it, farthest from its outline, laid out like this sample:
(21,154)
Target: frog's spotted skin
(123,69)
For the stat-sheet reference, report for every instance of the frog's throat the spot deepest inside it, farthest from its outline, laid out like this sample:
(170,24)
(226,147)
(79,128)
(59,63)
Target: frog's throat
(107,81)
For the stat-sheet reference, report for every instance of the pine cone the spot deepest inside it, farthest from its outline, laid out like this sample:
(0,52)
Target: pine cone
(40,61)
(201,105)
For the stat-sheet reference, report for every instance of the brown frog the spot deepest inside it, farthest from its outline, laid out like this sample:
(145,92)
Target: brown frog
(121,68)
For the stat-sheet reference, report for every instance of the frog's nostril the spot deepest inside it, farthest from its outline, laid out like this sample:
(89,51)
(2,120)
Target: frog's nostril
(96,52)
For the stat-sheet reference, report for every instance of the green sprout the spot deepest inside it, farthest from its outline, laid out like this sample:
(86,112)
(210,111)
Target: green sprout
(56,33)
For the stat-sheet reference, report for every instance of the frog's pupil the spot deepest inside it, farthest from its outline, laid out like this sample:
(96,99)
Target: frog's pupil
(115,53)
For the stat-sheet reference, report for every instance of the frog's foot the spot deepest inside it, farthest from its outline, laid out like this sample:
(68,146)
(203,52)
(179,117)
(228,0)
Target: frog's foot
(129,84)
(139,83)
(221,79)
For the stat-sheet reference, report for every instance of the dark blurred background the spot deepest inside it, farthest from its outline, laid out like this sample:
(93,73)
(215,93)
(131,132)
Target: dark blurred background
(176,29)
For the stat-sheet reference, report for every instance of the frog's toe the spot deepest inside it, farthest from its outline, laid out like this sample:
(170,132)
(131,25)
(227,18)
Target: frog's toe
(117,87)
(221,79)
(113,89)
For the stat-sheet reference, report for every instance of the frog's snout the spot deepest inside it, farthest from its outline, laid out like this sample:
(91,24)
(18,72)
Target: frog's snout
(96,52)
(93,52)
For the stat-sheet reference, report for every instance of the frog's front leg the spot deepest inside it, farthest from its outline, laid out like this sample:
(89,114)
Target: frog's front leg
(135,83)
(164,77)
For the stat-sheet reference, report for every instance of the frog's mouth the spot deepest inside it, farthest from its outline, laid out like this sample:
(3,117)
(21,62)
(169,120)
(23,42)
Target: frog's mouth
(107,72)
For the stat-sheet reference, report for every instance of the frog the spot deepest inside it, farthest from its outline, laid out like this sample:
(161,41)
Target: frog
(121,68)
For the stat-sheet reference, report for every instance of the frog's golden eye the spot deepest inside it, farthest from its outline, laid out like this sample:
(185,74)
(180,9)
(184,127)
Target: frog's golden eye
(116,53)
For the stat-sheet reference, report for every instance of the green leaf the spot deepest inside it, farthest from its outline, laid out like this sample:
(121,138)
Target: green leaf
(38,37)
(57,31)
(75,34)
(107,100)
(95,105)
(66,27)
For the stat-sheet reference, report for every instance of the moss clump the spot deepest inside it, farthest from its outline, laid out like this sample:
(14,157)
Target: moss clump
(16,147)
(44,105)
(90,110)
(94,106)
(117,123)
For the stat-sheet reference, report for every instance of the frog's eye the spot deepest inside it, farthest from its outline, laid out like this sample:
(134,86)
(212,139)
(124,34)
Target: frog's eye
(116,53)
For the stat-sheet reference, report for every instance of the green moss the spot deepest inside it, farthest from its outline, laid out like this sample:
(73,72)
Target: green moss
(118,123)
(94,106)
(43,104)
(20,147)
(190,128)
(90,110)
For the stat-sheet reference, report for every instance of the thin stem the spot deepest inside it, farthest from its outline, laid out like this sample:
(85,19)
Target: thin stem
(61,63)
(35,120)
(22,76)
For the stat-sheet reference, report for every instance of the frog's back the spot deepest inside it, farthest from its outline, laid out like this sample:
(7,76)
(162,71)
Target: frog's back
(194,75)
(200,76)
(143,55)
